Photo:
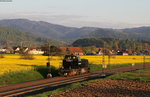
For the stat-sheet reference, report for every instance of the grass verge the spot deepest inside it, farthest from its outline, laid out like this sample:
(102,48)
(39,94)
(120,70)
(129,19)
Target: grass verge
(94,68)
(18,77)
(138,75)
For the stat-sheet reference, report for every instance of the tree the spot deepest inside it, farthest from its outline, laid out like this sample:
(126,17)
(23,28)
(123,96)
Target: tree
(51,50)
(25,54)
(115,46)
(1,55)
(89,49)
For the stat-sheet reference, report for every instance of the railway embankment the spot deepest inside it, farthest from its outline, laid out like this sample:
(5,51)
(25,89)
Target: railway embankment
(55,82)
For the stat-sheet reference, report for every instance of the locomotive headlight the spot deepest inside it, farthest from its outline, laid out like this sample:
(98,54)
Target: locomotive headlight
(65,74)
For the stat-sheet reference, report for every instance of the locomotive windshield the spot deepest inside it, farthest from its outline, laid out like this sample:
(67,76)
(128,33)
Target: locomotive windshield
(71,57)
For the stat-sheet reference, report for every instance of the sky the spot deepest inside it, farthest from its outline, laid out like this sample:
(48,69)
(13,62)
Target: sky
(79,13)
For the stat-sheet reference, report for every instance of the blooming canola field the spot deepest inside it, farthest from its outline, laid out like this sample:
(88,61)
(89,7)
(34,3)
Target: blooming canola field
(12,63)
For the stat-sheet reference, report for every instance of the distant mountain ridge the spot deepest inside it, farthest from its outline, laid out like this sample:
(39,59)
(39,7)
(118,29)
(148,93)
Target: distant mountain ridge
(145,30)
(60,32)
(36,27)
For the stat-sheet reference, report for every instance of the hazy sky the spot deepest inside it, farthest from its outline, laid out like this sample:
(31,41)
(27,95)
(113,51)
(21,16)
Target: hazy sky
(78,13)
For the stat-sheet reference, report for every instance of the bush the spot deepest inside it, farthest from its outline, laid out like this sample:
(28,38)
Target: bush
(27,56)
(1,56)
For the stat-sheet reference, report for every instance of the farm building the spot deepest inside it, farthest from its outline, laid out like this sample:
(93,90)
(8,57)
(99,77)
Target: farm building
(31,50)
(122,53)
(35,50)
(3,50)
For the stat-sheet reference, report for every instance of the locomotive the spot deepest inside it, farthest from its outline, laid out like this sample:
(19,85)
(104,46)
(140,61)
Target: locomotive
(73,65)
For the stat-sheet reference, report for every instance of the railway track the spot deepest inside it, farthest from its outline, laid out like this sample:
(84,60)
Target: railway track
(22,89)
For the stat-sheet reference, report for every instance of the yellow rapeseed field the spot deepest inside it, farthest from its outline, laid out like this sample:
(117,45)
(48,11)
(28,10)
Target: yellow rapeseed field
(115,59)
(14,63)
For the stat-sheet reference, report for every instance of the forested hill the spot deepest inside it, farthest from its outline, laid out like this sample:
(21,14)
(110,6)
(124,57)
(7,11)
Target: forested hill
(135,34)
(112,43)
(15,37)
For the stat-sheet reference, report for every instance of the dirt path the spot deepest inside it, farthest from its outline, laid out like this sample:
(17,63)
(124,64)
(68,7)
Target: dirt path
(110,88)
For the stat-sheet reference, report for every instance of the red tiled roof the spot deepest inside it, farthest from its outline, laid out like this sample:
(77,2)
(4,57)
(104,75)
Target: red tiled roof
(33,47)
(15,48)
(73,49)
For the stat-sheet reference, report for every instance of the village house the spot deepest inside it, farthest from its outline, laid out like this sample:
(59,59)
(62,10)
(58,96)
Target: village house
(122,53)
(145,52)
(3,50)
(35,50)
(104,51)
(17,49)
(31,50)
(73,50)
(100,51)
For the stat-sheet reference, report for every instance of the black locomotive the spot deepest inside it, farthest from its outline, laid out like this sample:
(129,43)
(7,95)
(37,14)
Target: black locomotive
(73,65)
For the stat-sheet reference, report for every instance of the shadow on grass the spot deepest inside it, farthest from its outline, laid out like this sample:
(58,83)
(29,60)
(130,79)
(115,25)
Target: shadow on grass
(43,70)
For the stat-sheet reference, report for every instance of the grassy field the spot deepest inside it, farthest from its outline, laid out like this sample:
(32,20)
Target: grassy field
(138,75)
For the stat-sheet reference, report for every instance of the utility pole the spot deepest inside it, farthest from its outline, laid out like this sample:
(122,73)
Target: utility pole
(143,56)
(109,56)
(49,75)
(49,53)
(133,54)
(103,60)
(103,57)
